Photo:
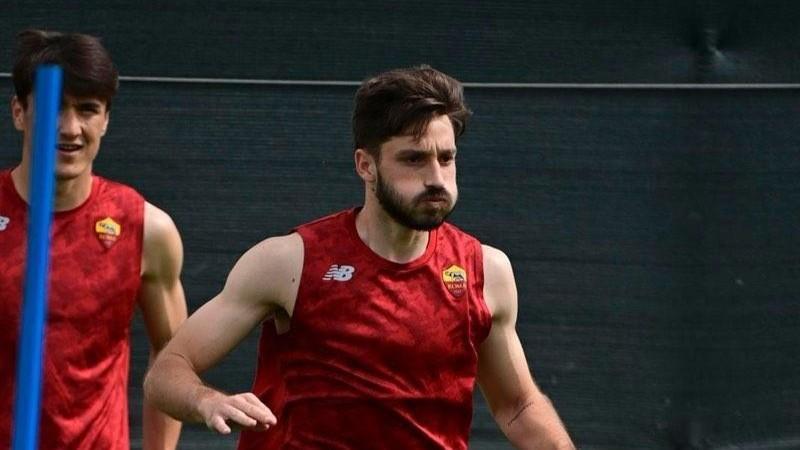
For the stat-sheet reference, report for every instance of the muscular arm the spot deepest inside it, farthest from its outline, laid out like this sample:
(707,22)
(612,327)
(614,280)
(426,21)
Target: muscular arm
(163,307)
(263,281)
(525,415)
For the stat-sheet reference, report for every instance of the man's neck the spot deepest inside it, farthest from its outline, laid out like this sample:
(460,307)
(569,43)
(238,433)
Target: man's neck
(69,193)
(387,238)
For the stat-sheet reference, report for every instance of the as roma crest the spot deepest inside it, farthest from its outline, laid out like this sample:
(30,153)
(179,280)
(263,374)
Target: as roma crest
(455,280)
(108,231)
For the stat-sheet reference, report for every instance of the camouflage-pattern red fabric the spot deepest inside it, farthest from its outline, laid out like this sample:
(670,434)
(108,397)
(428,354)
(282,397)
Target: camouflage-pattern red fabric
(95,263)
(379,355)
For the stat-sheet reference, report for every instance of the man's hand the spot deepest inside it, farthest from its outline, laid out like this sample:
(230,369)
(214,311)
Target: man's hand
(240,410)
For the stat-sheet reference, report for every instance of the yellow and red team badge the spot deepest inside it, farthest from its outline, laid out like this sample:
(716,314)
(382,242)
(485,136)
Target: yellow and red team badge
(108,231)
(455,280)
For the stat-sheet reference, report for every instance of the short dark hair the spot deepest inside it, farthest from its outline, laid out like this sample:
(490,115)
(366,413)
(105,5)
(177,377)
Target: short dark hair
(88,69)
(403,102)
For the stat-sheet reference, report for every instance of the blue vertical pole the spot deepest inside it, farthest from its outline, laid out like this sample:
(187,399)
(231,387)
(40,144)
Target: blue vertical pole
(47,99)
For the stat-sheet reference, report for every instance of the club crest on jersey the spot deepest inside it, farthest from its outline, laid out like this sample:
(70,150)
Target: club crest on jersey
(108,231)
(4,222)
(455,280)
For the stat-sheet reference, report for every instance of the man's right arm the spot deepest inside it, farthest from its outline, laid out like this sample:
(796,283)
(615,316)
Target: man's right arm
(264,280)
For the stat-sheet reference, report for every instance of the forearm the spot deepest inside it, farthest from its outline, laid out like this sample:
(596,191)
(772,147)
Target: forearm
(534,424)
(173,387)
(160,431)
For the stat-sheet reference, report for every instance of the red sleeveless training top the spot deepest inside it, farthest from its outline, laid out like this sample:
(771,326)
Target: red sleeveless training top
(380,355)
(95,260)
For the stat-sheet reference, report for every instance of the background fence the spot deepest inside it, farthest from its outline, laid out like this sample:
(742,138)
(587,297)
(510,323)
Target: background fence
(650,213)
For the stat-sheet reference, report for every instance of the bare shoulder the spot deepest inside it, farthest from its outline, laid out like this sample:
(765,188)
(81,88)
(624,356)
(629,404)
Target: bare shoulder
(276,253)
(269,271)
(157,223)
(495,262)
(499,287)
(162,247)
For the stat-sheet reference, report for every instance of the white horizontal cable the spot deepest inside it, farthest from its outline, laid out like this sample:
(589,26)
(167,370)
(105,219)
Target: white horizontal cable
(479,85)
(241,81)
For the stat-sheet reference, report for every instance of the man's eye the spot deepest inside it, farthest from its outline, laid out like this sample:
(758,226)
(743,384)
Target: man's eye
(446,159)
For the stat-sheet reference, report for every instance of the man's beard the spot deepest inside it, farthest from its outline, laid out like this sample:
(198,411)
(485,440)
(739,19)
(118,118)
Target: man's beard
(414,214)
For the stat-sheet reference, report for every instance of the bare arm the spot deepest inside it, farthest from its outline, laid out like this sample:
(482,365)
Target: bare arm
(263,281)
(525,415)
(163,307)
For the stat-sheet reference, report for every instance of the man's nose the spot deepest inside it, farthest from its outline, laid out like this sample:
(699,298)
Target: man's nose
(68,123)
(434,177)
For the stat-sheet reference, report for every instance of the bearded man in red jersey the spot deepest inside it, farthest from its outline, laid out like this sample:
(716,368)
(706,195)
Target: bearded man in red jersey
(384,315)
(111,251)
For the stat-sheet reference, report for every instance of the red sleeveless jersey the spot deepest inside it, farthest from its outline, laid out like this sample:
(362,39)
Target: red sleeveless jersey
(379,355)
(95,261)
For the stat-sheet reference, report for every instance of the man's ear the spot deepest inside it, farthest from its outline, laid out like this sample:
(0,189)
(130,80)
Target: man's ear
(17,113)
(105,124)
(366,165)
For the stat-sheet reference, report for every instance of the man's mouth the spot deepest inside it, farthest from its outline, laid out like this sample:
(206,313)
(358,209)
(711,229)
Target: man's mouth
(69,148)
(435,199)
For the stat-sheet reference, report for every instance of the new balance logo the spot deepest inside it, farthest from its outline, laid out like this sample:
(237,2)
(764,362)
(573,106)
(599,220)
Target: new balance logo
(4,222)
(339,273)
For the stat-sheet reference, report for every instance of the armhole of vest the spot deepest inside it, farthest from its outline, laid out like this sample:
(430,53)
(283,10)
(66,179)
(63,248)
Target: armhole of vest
(480,301)
(300,283)
(142,207)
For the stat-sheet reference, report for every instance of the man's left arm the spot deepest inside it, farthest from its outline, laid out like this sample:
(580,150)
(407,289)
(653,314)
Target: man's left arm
(163,307)
(525,415)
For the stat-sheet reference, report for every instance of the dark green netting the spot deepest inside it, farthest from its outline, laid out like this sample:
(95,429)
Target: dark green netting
(653,231)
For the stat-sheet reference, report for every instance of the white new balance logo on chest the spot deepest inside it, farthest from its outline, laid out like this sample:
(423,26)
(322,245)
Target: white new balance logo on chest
(339,273)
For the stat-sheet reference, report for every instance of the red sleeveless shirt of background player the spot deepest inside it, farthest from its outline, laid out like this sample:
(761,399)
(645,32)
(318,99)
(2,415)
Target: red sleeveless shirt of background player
(379,355)
(95,261)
